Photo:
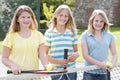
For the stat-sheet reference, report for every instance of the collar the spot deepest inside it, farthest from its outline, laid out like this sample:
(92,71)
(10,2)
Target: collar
(56,31)
(90,34)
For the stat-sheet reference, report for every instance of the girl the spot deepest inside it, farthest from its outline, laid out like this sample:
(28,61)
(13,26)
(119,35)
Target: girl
(60,36)
(95,43)
(23,44)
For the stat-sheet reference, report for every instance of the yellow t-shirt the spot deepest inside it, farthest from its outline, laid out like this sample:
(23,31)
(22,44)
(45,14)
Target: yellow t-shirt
(24,51)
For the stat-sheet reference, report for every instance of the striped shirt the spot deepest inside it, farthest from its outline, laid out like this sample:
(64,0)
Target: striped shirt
(58,42)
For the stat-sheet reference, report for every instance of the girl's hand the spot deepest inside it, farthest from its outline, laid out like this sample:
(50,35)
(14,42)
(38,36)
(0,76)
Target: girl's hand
(105,66)
(109,65)
(73,57)
(15,69)
(62,62)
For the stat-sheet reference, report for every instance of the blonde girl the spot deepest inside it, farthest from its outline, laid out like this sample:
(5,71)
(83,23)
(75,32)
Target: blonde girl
(62,35)
(23,45)
(95,43)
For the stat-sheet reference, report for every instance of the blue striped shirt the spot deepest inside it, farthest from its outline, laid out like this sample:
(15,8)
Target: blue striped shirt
(58,42)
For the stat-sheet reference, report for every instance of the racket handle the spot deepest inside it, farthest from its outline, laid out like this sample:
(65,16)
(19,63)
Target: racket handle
(65,55)
(29,71)
(9,72)
(108,75)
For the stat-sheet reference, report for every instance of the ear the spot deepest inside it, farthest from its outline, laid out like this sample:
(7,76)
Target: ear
(55,16)
(17,19)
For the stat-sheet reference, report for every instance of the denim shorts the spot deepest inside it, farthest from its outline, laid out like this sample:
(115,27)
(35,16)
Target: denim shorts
(90,76)
(67,76)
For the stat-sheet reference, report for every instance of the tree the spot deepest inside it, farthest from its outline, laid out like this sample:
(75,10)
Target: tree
(54,3)
(8,8)
(48,13)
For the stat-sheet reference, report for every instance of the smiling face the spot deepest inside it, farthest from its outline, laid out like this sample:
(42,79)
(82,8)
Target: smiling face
(24,19)
(62,17)
(98,22)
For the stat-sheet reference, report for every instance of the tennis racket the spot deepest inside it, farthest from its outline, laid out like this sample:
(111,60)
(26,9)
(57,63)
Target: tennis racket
(41,71)
(108,75)
(65,55)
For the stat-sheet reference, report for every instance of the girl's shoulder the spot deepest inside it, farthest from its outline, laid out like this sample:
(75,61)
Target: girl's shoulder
(109,33)
(11,34)
(48,31)
(36,32)
(85,33)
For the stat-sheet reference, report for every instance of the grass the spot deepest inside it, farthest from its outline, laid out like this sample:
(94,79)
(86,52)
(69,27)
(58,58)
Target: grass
(116,33)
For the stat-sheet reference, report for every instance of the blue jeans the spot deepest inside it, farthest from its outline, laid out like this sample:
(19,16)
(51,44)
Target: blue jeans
(89,76)
(67,76)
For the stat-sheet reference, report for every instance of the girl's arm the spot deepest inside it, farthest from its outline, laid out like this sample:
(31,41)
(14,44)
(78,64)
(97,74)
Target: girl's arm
(75,55)
(84,49)
(42,55)
(6,61)
(113,52)
(62,62)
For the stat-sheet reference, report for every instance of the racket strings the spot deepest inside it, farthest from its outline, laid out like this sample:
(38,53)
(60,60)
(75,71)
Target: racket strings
(115,73)
(62,76)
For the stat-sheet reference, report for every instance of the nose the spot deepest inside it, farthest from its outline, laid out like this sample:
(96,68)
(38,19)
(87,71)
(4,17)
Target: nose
(64,17)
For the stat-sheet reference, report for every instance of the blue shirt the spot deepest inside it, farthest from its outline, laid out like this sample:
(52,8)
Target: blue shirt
(97,49)
(58,42)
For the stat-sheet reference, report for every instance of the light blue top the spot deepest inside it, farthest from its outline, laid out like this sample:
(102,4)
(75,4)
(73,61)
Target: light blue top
(58,42)
(97,49)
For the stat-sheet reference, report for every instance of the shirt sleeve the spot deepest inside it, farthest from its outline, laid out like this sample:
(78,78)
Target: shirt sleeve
(8,41)
(41,38)
(112,37)
(47,38)
(83,37)
(75,40)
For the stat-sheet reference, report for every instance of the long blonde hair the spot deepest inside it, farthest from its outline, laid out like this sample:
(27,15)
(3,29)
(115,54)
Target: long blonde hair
(105,19)
(15,27)
(70,24)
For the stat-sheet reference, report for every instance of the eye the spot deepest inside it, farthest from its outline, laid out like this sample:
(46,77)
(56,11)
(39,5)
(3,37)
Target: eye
(61,15)
(66,15)
(29,17)
(23,17)
(96,20)
(102,21)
